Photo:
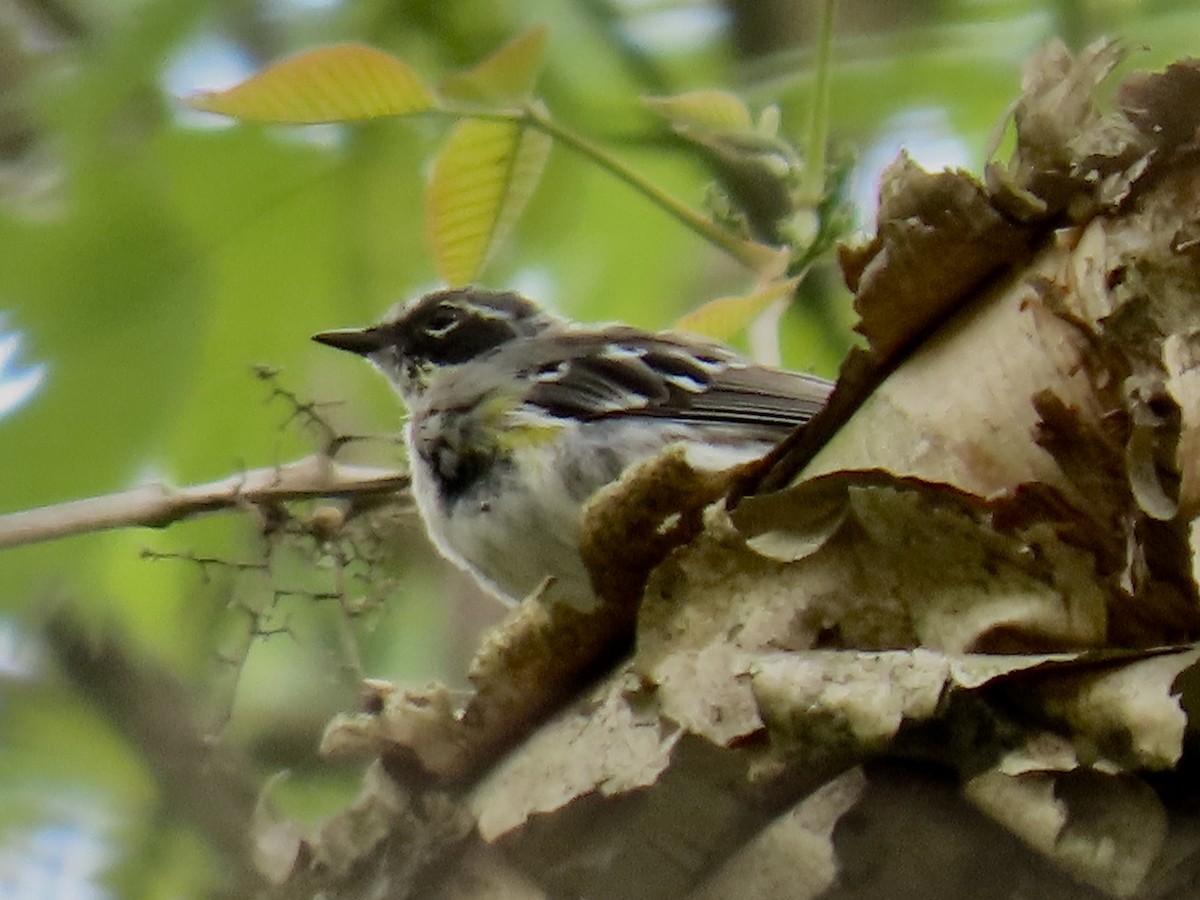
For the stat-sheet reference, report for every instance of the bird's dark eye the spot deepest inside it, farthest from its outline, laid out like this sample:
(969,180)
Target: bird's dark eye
(442,322)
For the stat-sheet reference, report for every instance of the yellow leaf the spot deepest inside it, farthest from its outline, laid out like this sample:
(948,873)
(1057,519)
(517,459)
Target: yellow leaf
(709,112)
(505,76)
(340,83)
(724,317)
(482,178)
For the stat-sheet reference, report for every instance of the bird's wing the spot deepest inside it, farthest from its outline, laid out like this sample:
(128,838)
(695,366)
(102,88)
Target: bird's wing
(628,372)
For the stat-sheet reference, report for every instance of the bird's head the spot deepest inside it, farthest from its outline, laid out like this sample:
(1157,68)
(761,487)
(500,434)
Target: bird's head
(440,331)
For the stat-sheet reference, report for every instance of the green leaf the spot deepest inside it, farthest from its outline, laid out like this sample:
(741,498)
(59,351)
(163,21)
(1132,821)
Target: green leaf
(482,178)
(724,317)
(344,82)
(708,111)
(506,76)
(756,170)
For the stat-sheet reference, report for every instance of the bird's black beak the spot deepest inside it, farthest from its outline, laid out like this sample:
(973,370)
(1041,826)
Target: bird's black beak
(362,341)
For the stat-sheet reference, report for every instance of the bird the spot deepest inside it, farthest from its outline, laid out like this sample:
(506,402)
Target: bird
(517,417)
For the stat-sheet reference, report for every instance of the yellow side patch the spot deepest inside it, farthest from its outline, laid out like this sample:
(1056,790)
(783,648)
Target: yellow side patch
(514,430)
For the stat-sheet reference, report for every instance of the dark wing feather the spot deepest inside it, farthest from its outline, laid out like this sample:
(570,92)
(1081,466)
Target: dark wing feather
(759,395)
(590,386)
(628,372)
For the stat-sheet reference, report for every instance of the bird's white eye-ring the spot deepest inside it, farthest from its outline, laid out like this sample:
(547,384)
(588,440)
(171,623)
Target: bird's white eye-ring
(443,322)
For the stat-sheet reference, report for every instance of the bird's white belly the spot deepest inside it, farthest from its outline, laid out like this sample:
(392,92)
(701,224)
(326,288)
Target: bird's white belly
(511,536)
(522,525)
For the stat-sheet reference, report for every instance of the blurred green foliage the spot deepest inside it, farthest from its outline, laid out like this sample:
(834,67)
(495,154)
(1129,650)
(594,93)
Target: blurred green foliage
(149,259)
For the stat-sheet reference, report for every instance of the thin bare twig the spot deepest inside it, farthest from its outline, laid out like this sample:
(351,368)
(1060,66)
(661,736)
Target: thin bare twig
(157,505)
(203,563)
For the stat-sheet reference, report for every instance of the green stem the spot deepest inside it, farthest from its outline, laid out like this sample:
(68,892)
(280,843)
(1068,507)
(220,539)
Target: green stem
(813,179)
(750,254)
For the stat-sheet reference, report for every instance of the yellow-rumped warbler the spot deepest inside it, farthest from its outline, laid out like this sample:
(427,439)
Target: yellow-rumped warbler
(517,417)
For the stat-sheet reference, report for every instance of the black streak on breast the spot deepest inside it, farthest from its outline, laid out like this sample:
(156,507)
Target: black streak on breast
(458,471)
